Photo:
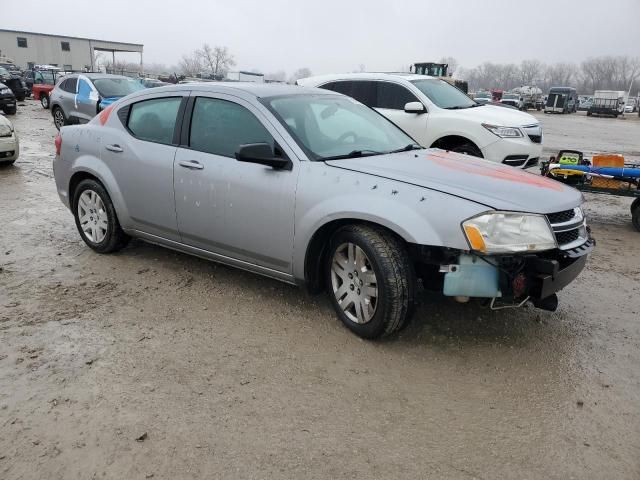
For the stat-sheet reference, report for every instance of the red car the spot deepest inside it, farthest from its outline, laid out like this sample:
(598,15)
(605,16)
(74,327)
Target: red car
(43,83)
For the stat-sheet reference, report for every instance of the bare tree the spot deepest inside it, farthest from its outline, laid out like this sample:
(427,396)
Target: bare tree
(190,65)
(300,73)
(531,72)
(217,60)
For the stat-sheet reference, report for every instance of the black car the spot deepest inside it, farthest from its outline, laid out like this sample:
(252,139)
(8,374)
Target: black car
(7,100)
(15,82)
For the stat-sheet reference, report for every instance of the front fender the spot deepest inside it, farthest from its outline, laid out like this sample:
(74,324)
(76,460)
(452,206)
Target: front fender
(416,214)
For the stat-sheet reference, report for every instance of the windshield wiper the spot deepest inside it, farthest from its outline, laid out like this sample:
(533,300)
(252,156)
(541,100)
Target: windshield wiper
(460,107)
(407,148)
(354,154)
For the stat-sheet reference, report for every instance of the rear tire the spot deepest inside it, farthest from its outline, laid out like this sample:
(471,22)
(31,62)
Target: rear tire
(59,120)
(96,218)
(635,213)
(371,280)
(10,110)
(44,101)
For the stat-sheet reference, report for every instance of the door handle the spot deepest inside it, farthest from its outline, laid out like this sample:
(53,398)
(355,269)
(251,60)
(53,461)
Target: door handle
(114,148)
(191,164)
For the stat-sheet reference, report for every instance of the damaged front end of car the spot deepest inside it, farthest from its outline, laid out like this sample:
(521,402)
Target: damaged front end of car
(513,258)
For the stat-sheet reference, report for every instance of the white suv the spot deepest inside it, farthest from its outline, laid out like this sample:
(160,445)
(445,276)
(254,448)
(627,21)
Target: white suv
(438,115)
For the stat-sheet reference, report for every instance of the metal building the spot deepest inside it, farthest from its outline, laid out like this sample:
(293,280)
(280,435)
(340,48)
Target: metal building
(69,53)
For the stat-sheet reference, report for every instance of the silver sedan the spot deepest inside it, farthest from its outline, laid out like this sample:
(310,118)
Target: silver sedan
(313,188)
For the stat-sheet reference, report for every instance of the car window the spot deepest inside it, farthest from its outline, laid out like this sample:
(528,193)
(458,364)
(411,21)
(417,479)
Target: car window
(393,96)
(443,94)
(69,85)
(363,91)
(154,120)
(116,87)
(327,126)
(220,127)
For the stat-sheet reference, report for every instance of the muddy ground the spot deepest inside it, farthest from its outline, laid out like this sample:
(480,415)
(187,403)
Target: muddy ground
(153,364)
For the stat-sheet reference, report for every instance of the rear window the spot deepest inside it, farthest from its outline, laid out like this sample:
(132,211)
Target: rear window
(374,94)
(116,87)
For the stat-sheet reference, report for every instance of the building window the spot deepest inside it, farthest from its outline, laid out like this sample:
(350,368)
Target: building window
(65,46)
(22,42)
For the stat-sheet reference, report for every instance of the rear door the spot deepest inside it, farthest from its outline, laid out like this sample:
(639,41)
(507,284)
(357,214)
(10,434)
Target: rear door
(243,211)
(139,150)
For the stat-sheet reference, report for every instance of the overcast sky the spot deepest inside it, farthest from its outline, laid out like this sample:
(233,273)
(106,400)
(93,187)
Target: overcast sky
(340,35)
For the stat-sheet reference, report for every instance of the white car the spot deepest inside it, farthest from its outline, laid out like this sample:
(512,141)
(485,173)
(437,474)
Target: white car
(436,114)
(9,143)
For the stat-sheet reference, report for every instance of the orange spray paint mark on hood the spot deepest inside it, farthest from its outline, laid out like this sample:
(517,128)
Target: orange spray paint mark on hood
(464,164)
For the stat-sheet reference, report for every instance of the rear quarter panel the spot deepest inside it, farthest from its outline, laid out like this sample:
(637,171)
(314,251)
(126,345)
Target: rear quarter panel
(80,152)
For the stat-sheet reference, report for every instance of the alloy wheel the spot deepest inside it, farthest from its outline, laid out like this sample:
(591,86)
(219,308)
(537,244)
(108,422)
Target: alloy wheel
(354,283)
(93,216)
(58,119)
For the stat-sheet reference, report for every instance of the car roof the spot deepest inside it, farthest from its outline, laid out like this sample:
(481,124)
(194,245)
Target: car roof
(320,79)
(245,89)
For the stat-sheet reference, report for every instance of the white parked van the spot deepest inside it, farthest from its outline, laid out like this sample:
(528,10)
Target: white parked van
(438,115)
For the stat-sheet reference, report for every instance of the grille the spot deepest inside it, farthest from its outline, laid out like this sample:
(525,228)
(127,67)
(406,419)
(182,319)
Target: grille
(561,217)
(568,236)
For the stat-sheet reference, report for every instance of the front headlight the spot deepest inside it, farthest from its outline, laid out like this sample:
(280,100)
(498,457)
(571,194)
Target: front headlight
(503,132)
(509,232)
(5,131)
(4,91)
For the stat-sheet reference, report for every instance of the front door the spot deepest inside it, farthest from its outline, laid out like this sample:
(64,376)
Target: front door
(140,157)
(239,210)
(390,101)
(86,101)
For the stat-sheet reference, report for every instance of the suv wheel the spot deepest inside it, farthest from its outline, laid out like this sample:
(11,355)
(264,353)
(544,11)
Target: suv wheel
(371,280)
(635,213)
(59,119)
(467,149)
(44,100)
(96,218)
(10,110)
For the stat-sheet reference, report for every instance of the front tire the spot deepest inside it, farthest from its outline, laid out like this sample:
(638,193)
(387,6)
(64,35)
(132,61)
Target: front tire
(44,101)
(10,110)
(371,280)
(96,218)
(467,149)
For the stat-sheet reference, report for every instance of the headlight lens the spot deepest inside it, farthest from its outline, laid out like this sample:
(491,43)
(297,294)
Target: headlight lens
(509,232)
(5,131)
(503,132)
(4,91)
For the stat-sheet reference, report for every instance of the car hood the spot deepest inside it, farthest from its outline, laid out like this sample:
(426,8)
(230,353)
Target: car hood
(497,186)
(496,115)
(4,120)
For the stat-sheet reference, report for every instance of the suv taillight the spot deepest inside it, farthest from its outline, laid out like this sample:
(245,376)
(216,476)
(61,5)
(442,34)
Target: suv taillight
(58,143)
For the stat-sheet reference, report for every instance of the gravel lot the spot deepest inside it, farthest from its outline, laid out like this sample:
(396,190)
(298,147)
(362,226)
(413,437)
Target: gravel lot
(153,364)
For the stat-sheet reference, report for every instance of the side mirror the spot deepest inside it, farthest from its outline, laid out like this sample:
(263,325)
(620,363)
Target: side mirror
(414,107)
(262,154)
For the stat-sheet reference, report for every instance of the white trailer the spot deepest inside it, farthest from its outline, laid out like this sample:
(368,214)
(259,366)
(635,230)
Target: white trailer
(608,102)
